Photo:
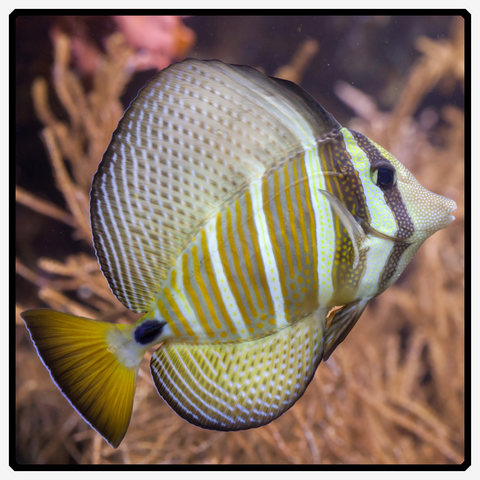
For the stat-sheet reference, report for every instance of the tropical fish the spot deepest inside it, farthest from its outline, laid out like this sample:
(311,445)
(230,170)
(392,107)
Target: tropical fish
(234,212)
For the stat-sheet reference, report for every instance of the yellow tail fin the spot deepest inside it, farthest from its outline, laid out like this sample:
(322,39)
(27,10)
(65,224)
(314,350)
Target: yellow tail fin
(94,364)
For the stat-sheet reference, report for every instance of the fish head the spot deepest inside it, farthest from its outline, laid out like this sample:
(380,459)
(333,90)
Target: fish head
(428,211)
(388,198)
(417,212)
(395,212)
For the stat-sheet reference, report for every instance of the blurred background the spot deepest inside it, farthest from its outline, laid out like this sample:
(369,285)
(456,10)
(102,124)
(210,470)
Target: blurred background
(393,392)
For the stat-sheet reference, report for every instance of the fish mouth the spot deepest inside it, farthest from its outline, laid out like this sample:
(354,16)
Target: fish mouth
(451,218)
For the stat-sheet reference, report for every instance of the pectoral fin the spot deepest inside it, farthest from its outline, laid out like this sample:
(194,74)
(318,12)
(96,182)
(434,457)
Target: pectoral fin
(354,230)
(343,321)
(357,230)
(244,385)
(369,229)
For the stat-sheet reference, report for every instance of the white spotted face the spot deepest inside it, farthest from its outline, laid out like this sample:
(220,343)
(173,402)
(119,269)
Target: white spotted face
(429,212)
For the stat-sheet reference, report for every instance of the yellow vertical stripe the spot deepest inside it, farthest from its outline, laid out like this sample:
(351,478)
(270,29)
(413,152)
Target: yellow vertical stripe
(193,296)
(273,238)
(256,250)
(299,202)
(292,215)
(213,281)
(237,263)
(167,318)
(246,254)
(177,311)
(340,191)
(328,184)
(338,225)
(228,273)
(206,297)
(281,220)
(173,282)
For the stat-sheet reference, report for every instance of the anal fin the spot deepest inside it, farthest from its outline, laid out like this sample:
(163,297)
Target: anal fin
(342,323)
(240,386)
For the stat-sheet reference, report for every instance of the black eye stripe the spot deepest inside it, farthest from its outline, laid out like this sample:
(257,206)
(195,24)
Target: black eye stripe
(394,200)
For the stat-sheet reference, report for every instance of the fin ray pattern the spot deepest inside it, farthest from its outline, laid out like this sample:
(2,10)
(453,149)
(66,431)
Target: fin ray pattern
(75,352)
(240,386)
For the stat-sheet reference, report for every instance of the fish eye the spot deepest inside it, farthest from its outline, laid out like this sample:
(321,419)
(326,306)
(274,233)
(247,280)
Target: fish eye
(384,176)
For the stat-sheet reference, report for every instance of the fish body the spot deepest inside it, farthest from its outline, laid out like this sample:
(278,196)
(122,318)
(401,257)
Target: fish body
(234,212)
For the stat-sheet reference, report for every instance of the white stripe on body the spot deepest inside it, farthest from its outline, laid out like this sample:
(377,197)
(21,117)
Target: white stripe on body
(324,231)
(266,251)
(226,293)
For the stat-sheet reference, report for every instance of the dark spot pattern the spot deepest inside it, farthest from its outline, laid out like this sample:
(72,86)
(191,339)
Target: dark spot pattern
(148,331)
(391,266)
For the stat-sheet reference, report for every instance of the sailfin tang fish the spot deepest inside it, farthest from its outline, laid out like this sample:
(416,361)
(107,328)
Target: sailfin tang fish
(234,212)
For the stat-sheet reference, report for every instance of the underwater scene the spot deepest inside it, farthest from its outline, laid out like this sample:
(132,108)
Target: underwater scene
(207,205)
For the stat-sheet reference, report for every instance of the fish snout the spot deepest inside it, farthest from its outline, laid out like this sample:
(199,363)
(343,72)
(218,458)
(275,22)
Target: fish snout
(453,207)
(444,208)
(434,213)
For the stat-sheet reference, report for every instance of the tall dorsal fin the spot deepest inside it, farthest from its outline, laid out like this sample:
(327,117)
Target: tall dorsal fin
(194,137)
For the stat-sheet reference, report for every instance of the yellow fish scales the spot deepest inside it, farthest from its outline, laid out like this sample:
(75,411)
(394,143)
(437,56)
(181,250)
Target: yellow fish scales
(235,212)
